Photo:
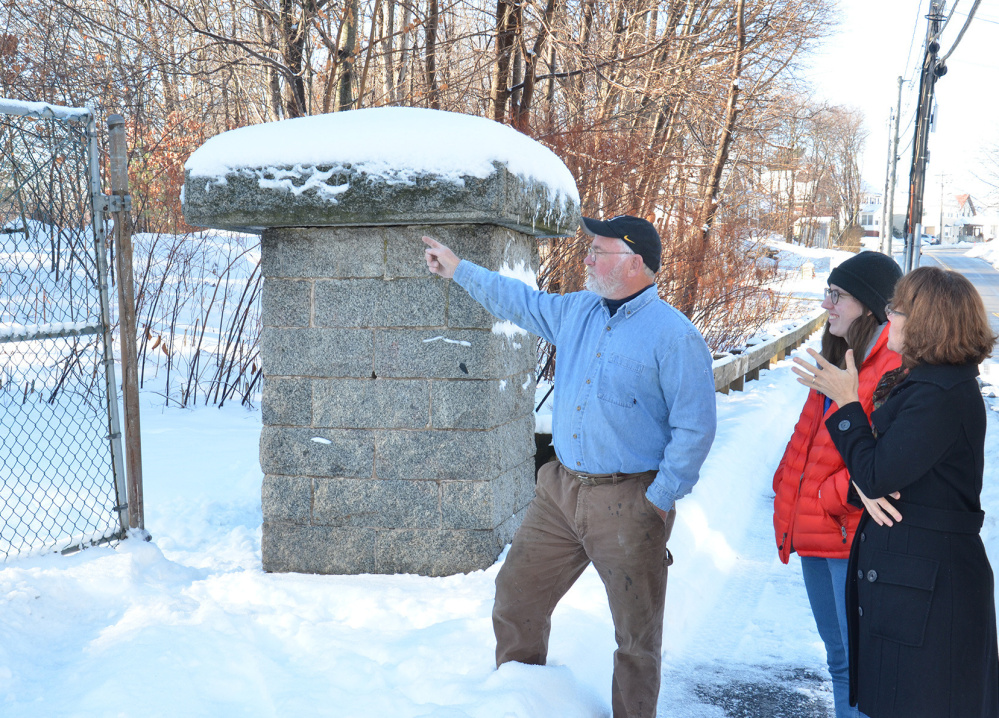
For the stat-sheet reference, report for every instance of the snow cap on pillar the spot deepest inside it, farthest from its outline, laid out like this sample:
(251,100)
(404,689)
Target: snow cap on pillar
(376,167)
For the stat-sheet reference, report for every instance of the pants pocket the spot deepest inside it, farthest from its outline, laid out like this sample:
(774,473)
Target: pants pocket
(900,588)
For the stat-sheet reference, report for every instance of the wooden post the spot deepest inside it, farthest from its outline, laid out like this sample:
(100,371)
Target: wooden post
(118,166)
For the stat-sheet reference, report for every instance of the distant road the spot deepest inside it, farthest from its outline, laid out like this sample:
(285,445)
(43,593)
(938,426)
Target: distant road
(981,273)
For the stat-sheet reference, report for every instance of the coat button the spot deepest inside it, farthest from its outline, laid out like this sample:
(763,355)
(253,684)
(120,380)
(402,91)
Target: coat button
(860,610)
(872,575)
(860,575)
(863,537)
(844,425)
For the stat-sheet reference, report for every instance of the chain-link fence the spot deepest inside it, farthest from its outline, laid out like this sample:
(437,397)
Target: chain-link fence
(59,444)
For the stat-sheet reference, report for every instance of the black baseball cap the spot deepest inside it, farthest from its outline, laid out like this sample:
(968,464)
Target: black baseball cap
(637,233)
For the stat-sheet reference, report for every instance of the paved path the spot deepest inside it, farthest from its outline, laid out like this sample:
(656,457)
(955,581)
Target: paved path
(981,273)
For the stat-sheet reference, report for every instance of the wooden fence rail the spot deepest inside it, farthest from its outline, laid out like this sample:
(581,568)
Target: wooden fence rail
(732,370)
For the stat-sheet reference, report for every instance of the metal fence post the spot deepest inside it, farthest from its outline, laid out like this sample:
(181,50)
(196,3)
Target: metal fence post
(97,200)
(118,170)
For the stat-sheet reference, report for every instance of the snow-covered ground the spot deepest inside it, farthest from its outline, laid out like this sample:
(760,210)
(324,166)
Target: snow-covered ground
(189,625)
(989,251)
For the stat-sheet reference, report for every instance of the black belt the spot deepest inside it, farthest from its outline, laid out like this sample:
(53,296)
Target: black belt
(615,478)
(945,520)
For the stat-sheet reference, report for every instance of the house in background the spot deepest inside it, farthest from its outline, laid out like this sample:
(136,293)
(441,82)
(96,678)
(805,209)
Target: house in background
(954,220)
(871,207)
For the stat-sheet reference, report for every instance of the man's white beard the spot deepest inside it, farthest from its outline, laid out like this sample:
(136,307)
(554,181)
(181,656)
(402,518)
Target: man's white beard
(608,286)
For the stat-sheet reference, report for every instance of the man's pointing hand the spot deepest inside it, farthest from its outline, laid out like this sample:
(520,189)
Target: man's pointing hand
(440,259)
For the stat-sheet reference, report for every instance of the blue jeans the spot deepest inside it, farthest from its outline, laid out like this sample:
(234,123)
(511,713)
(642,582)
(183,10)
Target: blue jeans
(825,581)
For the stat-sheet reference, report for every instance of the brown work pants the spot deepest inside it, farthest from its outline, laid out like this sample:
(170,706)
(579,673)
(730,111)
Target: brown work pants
(568,525)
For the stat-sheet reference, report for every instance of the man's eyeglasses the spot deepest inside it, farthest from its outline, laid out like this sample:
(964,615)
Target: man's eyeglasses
(892,312)
(833,295)
(598,253)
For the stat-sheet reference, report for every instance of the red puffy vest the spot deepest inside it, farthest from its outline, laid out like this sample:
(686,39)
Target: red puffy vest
(811,514)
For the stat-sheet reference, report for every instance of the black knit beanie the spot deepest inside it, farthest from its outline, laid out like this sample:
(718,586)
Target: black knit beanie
(870,277)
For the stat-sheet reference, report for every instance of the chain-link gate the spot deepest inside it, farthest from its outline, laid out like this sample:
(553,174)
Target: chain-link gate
(61,478)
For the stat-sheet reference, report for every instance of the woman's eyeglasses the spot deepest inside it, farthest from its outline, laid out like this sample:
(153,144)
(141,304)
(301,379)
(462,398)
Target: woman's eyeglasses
(892,312)
(833,295)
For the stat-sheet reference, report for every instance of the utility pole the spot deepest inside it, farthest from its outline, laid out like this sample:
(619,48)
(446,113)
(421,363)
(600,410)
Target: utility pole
(890,194)
(885,229)
(940,228)
(932,69)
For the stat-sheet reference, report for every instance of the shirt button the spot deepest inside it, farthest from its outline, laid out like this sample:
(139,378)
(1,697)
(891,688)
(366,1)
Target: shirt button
(872,575)
(577,463)
(587,381)
(608,328)
(598,354)
(578,408)
(573,436)
(844,425)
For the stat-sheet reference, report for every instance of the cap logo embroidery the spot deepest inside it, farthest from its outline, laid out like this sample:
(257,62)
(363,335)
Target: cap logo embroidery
(625,238)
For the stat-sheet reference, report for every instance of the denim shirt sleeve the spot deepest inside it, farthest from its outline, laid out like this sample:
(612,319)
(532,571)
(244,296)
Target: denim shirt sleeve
(507,298)
(688,386)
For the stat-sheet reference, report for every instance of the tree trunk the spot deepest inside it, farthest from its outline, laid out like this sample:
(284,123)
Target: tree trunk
(293,34)
(347,57)
(522,107)
(433,91)
(507,30)
(388,44)
(702,237)
(404,47)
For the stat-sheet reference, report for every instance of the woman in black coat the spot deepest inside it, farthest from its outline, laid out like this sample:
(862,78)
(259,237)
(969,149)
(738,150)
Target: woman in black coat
(920,591)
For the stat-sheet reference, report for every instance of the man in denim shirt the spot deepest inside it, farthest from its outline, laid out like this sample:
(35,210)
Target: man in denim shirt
(633,419)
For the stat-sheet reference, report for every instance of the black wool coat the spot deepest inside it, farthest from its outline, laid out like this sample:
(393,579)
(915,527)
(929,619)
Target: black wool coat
(920,594)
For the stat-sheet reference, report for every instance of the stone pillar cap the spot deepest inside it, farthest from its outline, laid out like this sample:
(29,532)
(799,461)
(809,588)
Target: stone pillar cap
(386,165)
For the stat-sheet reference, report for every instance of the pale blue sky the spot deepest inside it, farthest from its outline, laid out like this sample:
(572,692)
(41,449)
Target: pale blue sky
(859,66)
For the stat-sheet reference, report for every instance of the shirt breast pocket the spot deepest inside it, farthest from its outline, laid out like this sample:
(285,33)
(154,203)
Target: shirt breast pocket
(621,377)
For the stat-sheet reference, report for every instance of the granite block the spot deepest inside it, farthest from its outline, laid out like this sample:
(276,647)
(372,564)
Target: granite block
(371,403)
(377,503)
(316,452)
(380,303)
(317,352)
(318,549)
(286,402)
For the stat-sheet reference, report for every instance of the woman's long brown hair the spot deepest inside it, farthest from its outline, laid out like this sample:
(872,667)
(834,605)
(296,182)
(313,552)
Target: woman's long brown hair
(858,337)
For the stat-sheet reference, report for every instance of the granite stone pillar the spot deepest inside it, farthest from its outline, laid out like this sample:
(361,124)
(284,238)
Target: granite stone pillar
(398,428)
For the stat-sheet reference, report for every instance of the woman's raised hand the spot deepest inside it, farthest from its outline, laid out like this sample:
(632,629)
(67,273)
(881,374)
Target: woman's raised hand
(842,386)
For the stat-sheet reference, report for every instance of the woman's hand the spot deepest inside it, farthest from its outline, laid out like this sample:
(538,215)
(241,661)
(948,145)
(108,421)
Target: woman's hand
(842,386)
(881,509)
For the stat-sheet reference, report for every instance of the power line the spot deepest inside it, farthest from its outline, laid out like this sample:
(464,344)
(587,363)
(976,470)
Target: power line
(960,35)
(912,41)
(947,21)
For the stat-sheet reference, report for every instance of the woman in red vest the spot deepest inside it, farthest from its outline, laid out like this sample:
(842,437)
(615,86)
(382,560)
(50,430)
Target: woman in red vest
(812,516)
